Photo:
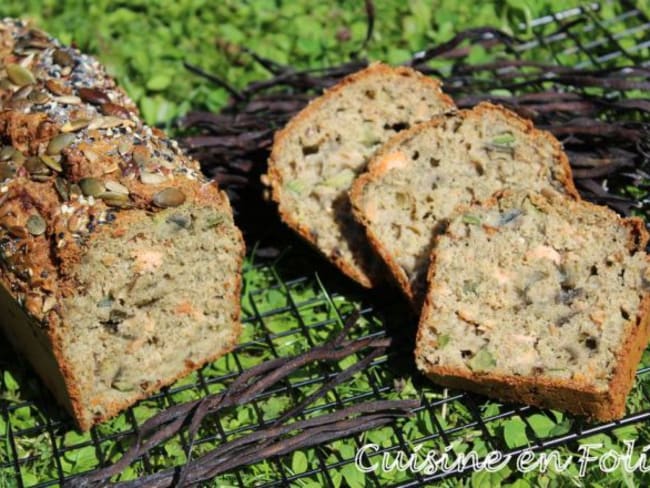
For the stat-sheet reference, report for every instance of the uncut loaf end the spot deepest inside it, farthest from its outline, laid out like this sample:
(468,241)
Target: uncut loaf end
(321,151)
(418,178)
(119,263)
(538,299)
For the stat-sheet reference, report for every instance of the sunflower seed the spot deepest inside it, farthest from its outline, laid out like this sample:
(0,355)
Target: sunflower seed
(36,225)
(75,125)
(169,197)
(115,187)
(62,58)
(23,92)
(63,188)
(93,95)
(106,122)
(152,178)
(68,100)
(60,142)
(19,75)
(74,189)
(113,196)
(183,221)
(52,162)
(116,200)
(91,187)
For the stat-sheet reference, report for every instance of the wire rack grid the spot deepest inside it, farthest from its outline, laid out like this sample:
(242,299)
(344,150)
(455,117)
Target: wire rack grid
(295,301)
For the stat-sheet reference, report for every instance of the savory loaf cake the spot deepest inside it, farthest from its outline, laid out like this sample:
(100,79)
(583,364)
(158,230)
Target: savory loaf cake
(538,299)
(318,154)
(416,180)
(119,263)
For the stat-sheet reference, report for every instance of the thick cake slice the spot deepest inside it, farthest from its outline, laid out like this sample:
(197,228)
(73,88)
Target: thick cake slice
(119,263)
(320,152)
(541,300)
(417,179)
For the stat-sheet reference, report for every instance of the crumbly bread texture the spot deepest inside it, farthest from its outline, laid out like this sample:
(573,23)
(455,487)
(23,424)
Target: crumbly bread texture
(320,152)
(119,263)
(538,299)
(417,179)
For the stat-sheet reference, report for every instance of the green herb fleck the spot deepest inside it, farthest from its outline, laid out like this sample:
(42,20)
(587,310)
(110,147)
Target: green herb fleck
(471,219)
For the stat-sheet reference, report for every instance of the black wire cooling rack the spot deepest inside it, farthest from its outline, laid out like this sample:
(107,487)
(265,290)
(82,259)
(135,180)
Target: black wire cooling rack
(292,302)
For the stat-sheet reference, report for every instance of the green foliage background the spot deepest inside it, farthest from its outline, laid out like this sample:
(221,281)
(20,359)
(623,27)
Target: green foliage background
(143,42)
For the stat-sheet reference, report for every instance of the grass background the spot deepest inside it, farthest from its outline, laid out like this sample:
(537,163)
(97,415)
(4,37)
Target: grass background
(143,44)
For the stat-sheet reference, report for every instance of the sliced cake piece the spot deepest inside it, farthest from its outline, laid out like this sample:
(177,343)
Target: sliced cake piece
(417,179)
(320,152)
(541,300)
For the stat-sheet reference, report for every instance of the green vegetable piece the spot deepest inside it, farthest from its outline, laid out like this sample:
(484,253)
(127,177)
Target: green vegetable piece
(471,219)
(505,139)
(443,340)
(341,180)
(295,186)
(482,361)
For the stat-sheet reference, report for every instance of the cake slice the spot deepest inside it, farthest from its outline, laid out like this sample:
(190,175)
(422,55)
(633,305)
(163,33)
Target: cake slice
(417,179)
(320,152)
(541,300)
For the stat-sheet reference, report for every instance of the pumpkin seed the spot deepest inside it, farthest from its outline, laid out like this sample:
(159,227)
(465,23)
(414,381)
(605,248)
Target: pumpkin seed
(52,162)
(60,142)
(91,187)
(75,125)
(19,75)
(75,189)
(152,178)
(169,197)
(214,220)
(63,188)
(6,153)
(38,97)
(116,187)
(340,180)
(62,58)
(6,171)
(34,165)
(443,340)
(121,385)
(94,96)
(105,122)
(18,158)
(36,225)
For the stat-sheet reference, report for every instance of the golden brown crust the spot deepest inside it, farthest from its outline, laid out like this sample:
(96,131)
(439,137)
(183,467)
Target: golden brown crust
(576,396)
(275,176)
(379,165)
(114,147)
